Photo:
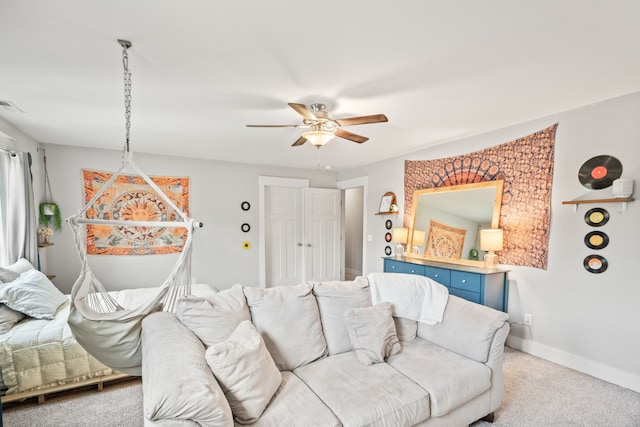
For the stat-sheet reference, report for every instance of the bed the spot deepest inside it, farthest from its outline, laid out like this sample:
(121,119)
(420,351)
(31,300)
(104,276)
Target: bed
(38,353)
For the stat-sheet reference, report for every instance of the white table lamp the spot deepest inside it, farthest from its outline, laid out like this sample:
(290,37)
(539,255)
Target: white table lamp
(400,236)
(418,240)
(490,241)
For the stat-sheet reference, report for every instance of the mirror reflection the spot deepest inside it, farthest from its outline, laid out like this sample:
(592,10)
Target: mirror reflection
(446,221)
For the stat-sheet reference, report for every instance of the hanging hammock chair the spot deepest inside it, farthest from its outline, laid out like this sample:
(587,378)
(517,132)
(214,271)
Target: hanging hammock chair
(108,331)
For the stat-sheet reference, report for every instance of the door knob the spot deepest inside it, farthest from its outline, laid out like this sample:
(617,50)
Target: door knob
(308,245)
(299,244)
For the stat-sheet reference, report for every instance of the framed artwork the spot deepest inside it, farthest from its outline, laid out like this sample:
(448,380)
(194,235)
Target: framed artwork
(385,203)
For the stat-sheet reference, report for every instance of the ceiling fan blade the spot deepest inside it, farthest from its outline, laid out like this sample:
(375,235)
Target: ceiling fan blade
(303,111)
(351,136)
(299,141)
(375,118)
(272,126)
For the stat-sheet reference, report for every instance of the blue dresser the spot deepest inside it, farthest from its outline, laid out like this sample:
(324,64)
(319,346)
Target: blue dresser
(480,285)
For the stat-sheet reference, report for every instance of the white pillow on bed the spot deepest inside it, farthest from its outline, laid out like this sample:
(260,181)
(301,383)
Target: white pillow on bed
(12,272)
(8,318)
(32,294)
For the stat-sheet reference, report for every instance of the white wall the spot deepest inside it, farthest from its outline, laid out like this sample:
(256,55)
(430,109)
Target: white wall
(590,322)
(217,190)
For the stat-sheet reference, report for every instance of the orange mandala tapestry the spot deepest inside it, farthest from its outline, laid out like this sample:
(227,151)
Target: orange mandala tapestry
(130,198)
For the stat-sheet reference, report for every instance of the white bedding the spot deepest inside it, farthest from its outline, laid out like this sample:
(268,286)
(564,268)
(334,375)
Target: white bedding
(37,354)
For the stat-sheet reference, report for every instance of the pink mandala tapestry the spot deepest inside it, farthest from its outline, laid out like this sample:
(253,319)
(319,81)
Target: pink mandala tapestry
(526,166)
(131,198)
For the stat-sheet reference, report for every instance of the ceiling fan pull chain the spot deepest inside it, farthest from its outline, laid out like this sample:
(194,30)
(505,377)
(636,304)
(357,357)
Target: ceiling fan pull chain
(127,90)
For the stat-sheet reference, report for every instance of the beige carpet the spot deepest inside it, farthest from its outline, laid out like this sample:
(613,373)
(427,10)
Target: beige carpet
(538,393)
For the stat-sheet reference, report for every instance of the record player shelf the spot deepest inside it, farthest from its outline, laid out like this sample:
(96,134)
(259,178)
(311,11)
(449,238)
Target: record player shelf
(622,200)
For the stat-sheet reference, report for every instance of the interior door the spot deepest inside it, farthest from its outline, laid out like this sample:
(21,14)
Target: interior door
(303,228)
(322,233)
(284,249)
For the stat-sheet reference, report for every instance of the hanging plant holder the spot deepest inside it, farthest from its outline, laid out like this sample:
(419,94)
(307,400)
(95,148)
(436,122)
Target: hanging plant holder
(49,211)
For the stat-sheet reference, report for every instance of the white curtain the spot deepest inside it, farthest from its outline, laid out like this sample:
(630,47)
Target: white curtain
(18,226)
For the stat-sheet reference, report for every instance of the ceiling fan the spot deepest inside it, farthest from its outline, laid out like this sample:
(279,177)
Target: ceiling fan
(323,127)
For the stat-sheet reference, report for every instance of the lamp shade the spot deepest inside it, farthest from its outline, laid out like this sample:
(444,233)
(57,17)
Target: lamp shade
(491,240)
(318,137)
(418,237)
(400,235)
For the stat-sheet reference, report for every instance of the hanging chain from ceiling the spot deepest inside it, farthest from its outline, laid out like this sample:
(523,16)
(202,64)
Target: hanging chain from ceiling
(127,90)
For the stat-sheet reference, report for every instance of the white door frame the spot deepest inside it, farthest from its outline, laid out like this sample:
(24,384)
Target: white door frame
(263,182)
(363,182)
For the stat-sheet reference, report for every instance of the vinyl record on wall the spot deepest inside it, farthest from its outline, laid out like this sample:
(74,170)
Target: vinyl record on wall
(596,240)
(596,217)
(595,264)
(599,172)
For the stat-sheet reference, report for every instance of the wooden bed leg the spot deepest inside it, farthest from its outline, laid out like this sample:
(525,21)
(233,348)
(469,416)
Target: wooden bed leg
(489,418)
(100,386)
(41,399)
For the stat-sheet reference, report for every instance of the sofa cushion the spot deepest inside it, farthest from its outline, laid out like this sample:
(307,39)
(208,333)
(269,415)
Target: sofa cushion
(406,329)
(288,319)
(333,299)
(372,332)
(295,404)
(245,370)
(359,395)
(179,385)
(467,328)
(214,317)
(450,379)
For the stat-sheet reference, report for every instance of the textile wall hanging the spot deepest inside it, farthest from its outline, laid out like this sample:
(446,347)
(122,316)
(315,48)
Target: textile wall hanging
(130,198)
(526,166)
(444,241)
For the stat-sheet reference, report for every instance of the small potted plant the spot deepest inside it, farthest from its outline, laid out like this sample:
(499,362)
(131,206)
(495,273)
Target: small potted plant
(50,215)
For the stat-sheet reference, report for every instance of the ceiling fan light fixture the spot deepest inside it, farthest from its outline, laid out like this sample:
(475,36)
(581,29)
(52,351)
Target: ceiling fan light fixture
(318,138)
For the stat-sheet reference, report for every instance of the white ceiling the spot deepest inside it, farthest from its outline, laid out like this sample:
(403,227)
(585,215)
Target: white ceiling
(202,69)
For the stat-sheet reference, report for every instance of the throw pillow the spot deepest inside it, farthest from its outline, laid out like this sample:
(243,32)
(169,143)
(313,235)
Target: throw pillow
(214,317)
(333,299)
(288,319)
(372,333)
(12,272)
(406,329)
(8,318)
(246,372)
(32,294)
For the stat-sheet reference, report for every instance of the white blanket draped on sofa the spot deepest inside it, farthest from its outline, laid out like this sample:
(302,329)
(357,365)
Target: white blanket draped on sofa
(402,290)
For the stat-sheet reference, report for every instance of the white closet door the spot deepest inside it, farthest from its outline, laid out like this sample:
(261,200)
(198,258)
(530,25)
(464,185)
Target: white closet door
(284,249)
(322,233)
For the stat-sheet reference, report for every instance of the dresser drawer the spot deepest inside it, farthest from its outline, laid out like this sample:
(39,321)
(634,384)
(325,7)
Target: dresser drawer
(392,266)
(440,275)
(465,281)
(469,296)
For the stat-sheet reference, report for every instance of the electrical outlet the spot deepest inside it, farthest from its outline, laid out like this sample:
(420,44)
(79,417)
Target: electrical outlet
(528,319)
(193,280)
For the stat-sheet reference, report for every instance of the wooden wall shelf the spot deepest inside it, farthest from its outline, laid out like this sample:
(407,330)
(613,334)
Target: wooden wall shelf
(622,200)
(45,245)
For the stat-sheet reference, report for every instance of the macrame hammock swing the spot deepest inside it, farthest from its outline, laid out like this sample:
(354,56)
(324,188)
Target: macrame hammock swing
(105,329)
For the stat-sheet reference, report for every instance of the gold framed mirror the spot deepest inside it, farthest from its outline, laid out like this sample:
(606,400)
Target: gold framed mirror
(446,221)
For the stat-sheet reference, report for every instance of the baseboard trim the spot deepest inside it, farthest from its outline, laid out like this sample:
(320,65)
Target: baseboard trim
(589,367)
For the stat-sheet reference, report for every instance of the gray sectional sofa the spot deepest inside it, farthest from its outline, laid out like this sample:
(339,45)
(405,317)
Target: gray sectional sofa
(320,354)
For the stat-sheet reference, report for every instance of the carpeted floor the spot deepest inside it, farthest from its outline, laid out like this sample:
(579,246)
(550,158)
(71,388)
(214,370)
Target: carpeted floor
(538,393)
